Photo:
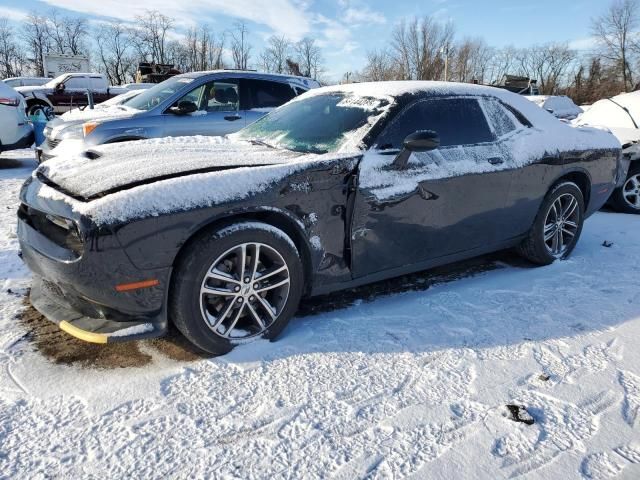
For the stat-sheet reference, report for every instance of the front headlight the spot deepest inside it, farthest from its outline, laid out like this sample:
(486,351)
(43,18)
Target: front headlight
(73,132)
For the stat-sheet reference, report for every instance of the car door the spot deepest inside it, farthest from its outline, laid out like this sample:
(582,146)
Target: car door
(98,89)
(75,91)
(443,202)
(262,96)
(218,111)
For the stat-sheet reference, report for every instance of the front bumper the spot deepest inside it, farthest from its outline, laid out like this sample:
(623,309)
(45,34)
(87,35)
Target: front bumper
(56,306)
(76,288)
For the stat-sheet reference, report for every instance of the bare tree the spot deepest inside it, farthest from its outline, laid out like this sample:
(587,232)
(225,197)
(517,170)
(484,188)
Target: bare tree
(309,57)
(614,31)
(421,48)
(203,49)
(116,54)
(37,37)
(12,61)
(152,32)
(67,34)
(472,60)
(240,46)
(274,56)
(380,67)
(549,64)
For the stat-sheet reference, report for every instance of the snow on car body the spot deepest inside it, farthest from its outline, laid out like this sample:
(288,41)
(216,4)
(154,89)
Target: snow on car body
(560,106)
(340,187)
(621,116)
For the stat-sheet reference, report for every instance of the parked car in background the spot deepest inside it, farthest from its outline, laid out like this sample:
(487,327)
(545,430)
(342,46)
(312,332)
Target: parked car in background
(67,92)
(341,187)
(201,103)
(560,106)
(14,82)
(621,116)
(62,127)
(15,129)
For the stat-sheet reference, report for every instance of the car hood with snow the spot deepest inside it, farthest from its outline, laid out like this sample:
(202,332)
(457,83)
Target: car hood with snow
(112,167)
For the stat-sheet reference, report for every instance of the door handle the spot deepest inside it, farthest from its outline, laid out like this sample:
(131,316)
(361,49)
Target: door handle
(232,118)
(495,160)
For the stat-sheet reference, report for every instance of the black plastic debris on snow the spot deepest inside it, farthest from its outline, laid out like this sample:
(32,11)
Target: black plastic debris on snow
(607,244)
(518,413)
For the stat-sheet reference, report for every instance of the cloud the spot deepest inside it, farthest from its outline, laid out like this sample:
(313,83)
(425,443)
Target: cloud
(587,43)
(12,14)
(363,15)
(284,17)
(356,13)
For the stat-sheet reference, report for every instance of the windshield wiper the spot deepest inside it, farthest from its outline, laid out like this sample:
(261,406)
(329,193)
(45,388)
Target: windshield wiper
(256,141)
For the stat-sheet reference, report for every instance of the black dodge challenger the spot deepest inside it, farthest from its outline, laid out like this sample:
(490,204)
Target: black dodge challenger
(342,186)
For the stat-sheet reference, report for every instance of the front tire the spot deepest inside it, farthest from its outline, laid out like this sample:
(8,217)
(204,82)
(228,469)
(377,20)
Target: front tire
(626,199)
(236,284)
(557,227)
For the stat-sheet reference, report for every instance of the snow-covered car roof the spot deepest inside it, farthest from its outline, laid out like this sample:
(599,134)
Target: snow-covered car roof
(620,114)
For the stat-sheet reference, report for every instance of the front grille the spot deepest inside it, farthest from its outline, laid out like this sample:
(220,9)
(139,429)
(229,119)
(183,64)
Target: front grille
(52,143)
(67,238)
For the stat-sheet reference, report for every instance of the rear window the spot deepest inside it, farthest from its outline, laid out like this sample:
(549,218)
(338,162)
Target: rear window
(502,120)
(458,121)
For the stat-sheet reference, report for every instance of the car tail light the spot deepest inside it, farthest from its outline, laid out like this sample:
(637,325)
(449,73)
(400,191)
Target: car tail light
(10,102)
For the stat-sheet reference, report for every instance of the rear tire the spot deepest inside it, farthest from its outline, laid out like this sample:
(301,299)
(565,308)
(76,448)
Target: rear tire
(557,227)
(626,199)
(236,284)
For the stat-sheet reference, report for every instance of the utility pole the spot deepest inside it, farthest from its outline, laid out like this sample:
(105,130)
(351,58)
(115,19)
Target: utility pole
(445,52)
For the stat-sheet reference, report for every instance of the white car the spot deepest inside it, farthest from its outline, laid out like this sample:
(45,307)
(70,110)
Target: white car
(621,116)
(560,106)
(14,82)
(15,129)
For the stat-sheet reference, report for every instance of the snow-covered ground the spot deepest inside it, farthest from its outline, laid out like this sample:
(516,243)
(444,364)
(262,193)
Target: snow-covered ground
(412,384)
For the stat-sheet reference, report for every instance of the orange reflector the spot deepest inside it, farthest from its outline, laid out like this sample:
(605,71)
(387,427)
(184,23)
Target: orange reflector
(89,127)
(126,287)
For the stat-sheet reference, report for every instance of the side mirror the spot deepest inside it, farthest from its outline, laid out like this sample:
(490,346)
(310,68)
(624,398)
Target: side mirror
(420,141)
(184,107)
(59,87)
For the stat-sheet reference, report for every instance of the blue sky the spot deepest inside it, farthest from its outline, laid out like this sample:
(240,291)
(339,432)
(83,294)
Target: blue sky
(346,29)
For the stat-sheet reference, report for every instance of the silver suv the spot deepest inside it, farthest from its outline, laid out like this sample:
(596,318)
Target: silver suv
(201,103)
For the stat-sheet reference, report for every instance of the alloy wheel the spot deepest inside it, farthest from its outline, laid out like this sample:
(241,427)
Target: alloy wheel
(244,291)
(561,224)
(631,191)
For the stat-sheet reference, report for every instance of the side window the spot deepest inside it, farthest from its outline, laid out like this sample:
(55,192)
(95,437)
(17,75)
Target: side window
(76,83)
(265,94)
(216,96)
(458,121)
(501,119)
(97,84)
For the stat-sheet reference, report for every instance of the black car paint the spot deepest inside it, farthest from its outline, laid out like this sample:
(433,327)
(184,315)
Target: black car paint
(363,240)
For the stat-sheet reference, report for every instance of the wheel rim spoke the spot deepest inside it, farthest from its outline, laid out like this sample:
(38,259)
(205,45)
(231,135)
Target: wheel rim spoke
(244,291)
(561,224)
(228,331)
(256,317)
(265,276)
(271,287)
(216,274)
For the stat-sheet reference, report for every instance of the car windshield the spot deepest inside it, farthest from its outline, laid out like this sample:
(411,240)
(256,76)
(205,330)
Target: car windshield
(320,123)
(158,94)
